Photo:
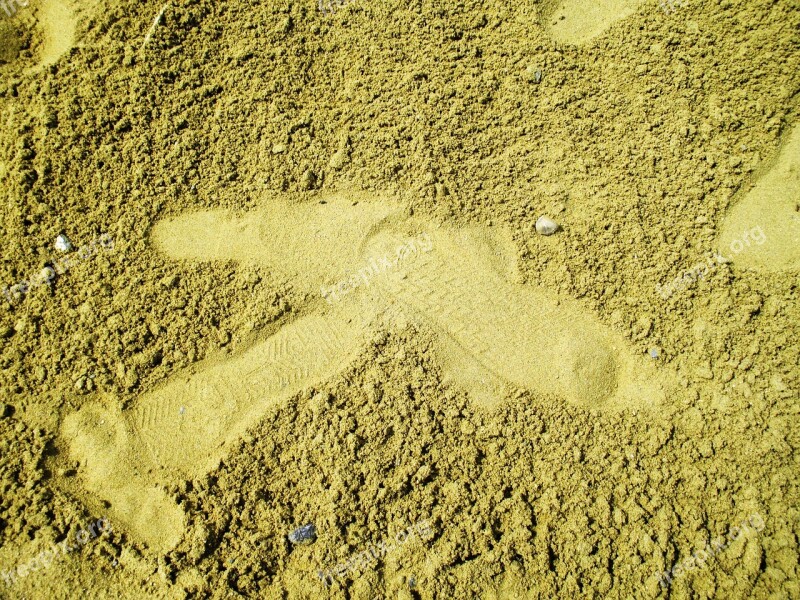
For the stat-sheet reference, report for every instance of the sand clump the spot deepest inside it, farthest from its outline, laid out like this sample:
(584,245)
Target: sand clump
(198,389)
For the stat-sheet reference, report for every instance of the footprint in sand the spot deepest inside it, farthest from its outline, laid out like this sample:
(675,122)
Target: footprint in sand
(773,204)
(579,21)
(46,26)
(492,334)
(57,20)
(494,330)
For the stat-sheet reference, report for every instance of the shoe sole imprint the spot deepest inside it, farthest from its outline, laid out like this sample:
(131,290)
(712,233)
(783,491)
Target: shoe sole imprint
(181,430)
(522,335)
(492,334)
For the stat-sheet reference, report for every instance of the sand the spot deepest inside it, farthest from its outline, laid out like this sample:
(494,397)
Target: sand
(326,302)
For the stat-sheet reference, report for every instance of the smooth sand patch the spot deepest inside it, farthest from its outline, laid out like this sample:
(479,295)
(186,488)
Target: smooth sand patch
(579,21)
(58,19)
(311,244)
(773,204)
(492,334)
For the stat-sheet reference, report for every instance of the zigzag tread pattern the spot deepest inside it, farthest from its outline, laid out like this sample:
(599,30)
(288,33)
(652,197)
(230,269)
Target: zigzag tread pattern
(293,356)
(463,308)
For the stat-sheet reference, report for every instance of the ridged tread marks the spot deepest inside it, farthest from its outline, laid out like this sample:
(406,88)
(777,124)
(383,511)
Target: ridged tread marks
(183,420)
(461,304)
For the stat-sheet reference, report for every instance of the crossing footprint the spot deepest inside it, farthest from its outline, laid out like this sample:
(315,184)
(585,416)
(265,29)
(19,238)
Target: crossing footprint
(368,261)
(180,430)
(493,331)
(762,231)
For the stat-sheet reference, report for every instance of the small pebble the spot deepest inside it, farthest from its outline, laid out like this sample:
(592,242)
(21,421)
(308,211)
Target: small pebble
(47,275)
(338,160)
(546,226)
(304,534)
(63,244)
(308,180)
(533,75)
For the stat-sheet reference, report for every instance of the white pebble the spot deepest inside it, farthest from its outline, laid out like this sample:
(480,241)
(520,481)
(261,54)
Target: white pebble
(47,275)
(63,244)
(546,226)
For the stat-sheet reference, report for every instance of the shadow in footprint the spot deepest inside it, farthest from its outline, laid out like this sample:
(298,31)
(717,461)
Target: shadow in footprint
(492,334)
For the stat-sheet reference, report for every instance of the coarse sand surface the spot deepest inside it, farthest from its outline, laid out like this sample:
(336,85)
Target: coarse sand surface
(324,300)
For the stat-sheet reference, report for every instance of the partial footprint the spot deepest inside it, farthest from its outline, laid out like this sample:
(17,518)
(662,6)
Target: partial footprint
(39,34)
(580,21)
(187,424)
(57,21)
(522,335)
(115,467)
(762,230)
(310,244)
(182,429)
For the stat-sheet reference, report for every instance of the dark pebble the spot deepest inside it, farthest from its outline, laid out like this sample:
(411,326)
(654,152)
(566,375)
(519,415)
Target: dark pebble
(303,535)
